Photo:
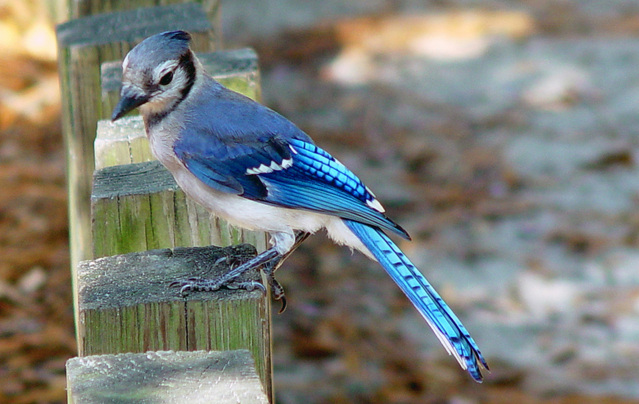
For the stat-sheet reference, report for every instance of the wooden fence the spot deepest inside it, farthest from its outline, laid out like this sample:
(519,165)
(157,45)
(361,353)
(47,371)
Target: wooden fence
(133,231)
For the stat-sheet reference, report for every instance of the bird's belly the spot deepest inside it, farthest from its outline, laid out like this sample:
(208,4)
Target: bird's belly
(247,213)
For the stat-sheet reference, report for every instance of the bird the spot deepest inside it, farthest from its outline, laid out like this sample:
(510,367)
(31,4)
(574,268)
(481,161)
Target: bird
(253,167)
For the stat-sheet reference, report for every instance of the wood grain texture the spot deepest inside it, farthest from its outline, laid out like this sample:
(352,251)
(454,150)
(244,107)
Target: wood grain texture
(81,8)
(139,207)
(226,377)
(126,304)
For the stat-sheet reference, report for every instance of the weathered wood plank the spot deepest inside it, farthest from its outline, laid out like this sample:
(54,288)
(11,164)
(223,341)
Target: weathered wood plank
(226,377)
(139,207)
(82,8)
(121,142)
(235,69)
(126,305)
(83,45)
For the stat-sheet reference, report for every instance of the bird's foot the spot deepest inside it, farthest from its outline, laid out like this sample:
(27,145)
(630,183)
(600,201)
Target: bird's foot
(270,260)
(269,270)
(228,279)
(277,290)
(208,285)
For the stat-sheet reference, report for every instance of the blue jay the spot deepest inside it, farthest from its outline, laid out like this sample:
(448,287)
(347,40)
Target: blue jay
(251,166)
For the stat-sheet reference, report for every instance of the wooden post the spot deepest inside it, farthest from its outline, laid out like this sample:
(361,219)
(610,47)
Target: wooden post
(235,69)
(82,8)
(126,305)
(123,302)
(170,377)
(121,142)
(139,207)
(83,45)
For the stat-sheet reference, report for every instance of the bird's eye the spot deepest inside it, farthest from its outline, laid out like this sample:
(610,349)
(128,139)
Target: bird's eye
(166,79)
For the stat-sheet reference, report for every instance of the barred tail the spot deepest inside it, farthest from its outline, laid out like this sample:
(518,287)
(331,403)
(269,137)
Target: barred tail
(449,330)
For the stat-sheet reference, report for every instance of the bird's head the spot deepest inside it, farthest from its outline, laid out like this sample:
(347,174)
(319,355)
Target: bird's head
(156,74)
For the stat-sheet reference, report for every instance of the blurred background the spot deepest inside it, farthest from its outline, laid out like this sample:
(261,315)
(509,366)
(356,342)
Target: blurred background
(501,134)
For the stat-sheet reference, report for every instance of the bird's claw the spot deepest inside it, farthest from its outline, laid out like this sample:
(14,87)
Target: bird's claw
(277,290)
(283,307)
(195,284)
(248,286)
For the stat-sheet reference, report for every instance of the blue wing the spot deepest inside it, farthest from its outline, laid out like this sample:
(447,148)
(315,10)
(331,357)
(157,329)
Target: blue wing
(236,145)
(291,173)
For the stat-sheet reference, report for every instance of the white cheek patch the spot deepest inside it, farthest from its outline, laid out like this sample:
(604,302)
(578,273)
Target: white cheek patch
(179,79)
(264,169)
(165,96)
(164,68)
(125,62)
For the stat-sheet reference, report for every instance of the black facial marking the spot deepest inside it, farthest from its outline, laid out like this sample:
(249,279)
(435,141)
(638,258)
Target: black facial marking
(186,64)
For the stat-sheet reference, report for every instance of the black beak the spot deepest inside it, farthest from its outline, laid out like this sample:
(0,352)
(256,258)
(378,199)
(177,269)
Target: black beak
(130,98)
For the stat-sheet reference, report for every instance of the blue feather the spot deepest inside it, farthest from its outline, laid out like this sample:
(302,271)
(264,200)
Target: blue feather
(202,170)
(316,181)
(311,179)
(318,162)
(430,305)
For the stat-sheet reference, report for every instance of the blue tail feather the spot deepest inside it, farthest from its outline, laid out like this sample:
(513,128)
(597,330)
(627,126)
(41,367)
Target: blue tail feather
(438,315)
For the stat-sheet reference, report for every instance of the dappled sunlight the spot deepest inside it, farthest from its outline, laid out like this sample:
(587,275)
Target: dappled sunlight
(444,36)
